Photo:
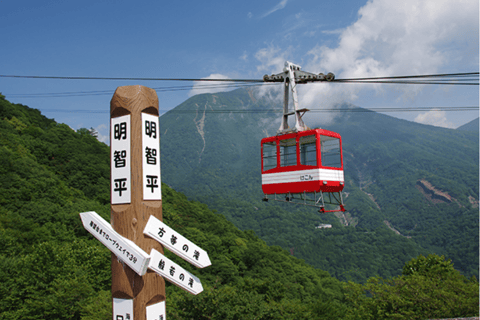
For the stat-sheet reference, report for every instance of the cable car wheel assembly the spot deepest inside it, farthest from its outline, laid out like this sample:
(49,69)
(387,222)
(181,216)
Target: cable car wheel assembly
(301,165)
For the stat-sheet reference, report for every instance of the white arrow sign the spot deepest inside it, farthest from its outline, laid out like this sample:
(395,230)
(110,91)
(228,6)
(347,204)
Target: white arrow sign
(176,243)
(174,273)
(124,249)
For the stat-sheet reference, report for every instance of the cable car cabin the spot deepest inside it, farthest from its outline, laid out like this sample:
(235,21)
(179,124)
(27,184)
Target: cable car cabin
(303,162)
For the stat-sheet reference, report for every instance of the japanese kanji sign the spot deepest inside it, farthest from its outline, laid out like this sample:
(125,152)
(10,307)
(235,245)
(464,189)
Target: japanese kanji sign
(176,243)
(174,273)
(156,311)
(152,188)
(120,160)
(122,309)
(124,249)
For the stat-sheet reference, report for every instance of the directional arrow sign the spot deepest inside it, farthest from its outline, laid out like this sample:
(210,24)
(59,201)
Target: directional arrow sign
(124,249)
(174,273)
(176,243)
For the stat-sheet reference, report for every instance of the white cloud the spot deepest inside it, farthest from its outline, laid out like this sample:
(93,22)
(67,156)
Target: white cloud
(279,6)
(271,59)
(401,38)
(103,134)
(389,38)
(200,87)
(434,117)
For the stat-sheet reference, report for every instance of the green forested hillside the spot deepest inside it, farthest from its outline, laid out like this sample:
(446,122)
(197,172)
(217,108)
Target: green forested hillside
(51,268)
(211,152)
(470,126)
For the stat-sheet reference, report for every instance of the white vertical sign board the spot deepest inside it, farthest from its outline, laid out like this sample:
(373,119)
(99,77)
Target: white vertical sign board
(152,187)
(127,251)
(122,309)
(176,243)
(174,273)
(120,160)
(156,311)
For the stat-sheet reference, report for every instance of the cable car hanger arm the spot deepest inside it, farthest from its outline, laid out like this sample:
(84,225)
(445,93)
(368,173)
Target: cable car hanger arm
(291,75)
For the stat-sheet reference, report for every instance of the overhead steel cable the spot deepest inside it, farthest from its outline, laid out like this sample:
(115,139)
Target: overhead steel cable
(464,74)
(330,110)
(451,79)
(124,78)
(452,82)
(439,79)
(110,92)
(468,74)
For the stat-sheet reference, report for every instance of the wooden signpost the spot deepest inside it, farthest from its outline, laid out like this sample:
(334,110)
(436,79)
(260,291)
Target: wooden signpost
(136,213)
(135,191)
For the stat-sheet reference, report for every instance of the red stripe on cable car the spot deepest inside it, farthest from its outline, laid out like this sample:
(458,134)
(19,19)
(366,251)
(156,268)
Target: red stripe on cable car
(300,187)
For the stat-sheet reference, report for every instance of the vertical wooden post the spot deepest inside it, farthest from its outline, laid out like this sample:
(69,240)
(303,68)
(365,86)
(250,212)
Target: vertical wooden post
(130,217)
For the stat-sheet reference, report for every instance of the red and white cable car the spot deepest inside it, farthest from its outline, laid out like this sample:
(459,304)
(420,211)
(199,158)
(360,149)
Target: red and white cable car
(302,165)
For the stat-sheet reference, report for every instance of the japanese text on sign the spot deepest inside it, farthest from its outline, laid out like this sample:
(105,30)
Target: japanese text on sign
(120,160)
(177,243)
(174,273)
(122,309)
(152,189)
(127,251)
(156,311)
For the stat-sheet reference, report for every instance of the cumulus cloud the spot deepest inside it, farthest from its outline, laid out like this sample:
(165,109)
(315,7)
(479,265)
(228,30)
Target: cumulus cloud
(272,59)
(401,38)
(434,117)
(210,86)
(389,38)
(103,133)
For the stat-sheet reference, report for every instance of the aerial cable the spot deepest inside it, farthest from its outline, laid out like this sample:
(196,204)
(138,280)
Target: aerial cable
(330,110)
(452,79)
(466,74)
(122,78)
(110,92)
(452,82)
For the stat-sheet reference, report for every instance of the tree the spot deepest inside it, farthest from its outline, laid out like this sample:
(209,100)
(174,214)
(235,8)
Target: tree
(428,288)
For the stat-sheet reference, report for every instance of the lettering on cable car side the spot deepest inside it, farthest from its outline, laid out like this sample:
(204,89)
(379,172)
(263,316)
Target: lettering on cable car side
(306,177)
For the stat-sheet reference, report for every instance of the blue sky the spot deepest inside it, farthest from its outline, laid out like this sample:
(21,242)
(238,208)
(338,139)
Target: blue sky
(238,39)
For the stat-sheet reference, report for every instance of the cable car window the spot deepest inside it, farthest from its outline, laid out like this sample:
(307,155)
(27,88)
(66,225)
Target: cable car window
(269,155)
(308,151)
(288,152)
(330,148)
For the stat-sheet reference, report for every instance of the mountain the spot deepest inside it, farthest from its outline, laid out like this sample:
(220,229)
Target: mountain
(410,188)
(470,126)
(52,268)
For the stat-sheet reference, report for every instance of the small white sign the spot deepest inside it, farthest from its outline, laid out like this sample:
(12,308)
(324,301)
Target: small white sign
(176,243)
(120,160)
(157,311)
(122,309)
(152,181)
(127,251)
(174,273)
